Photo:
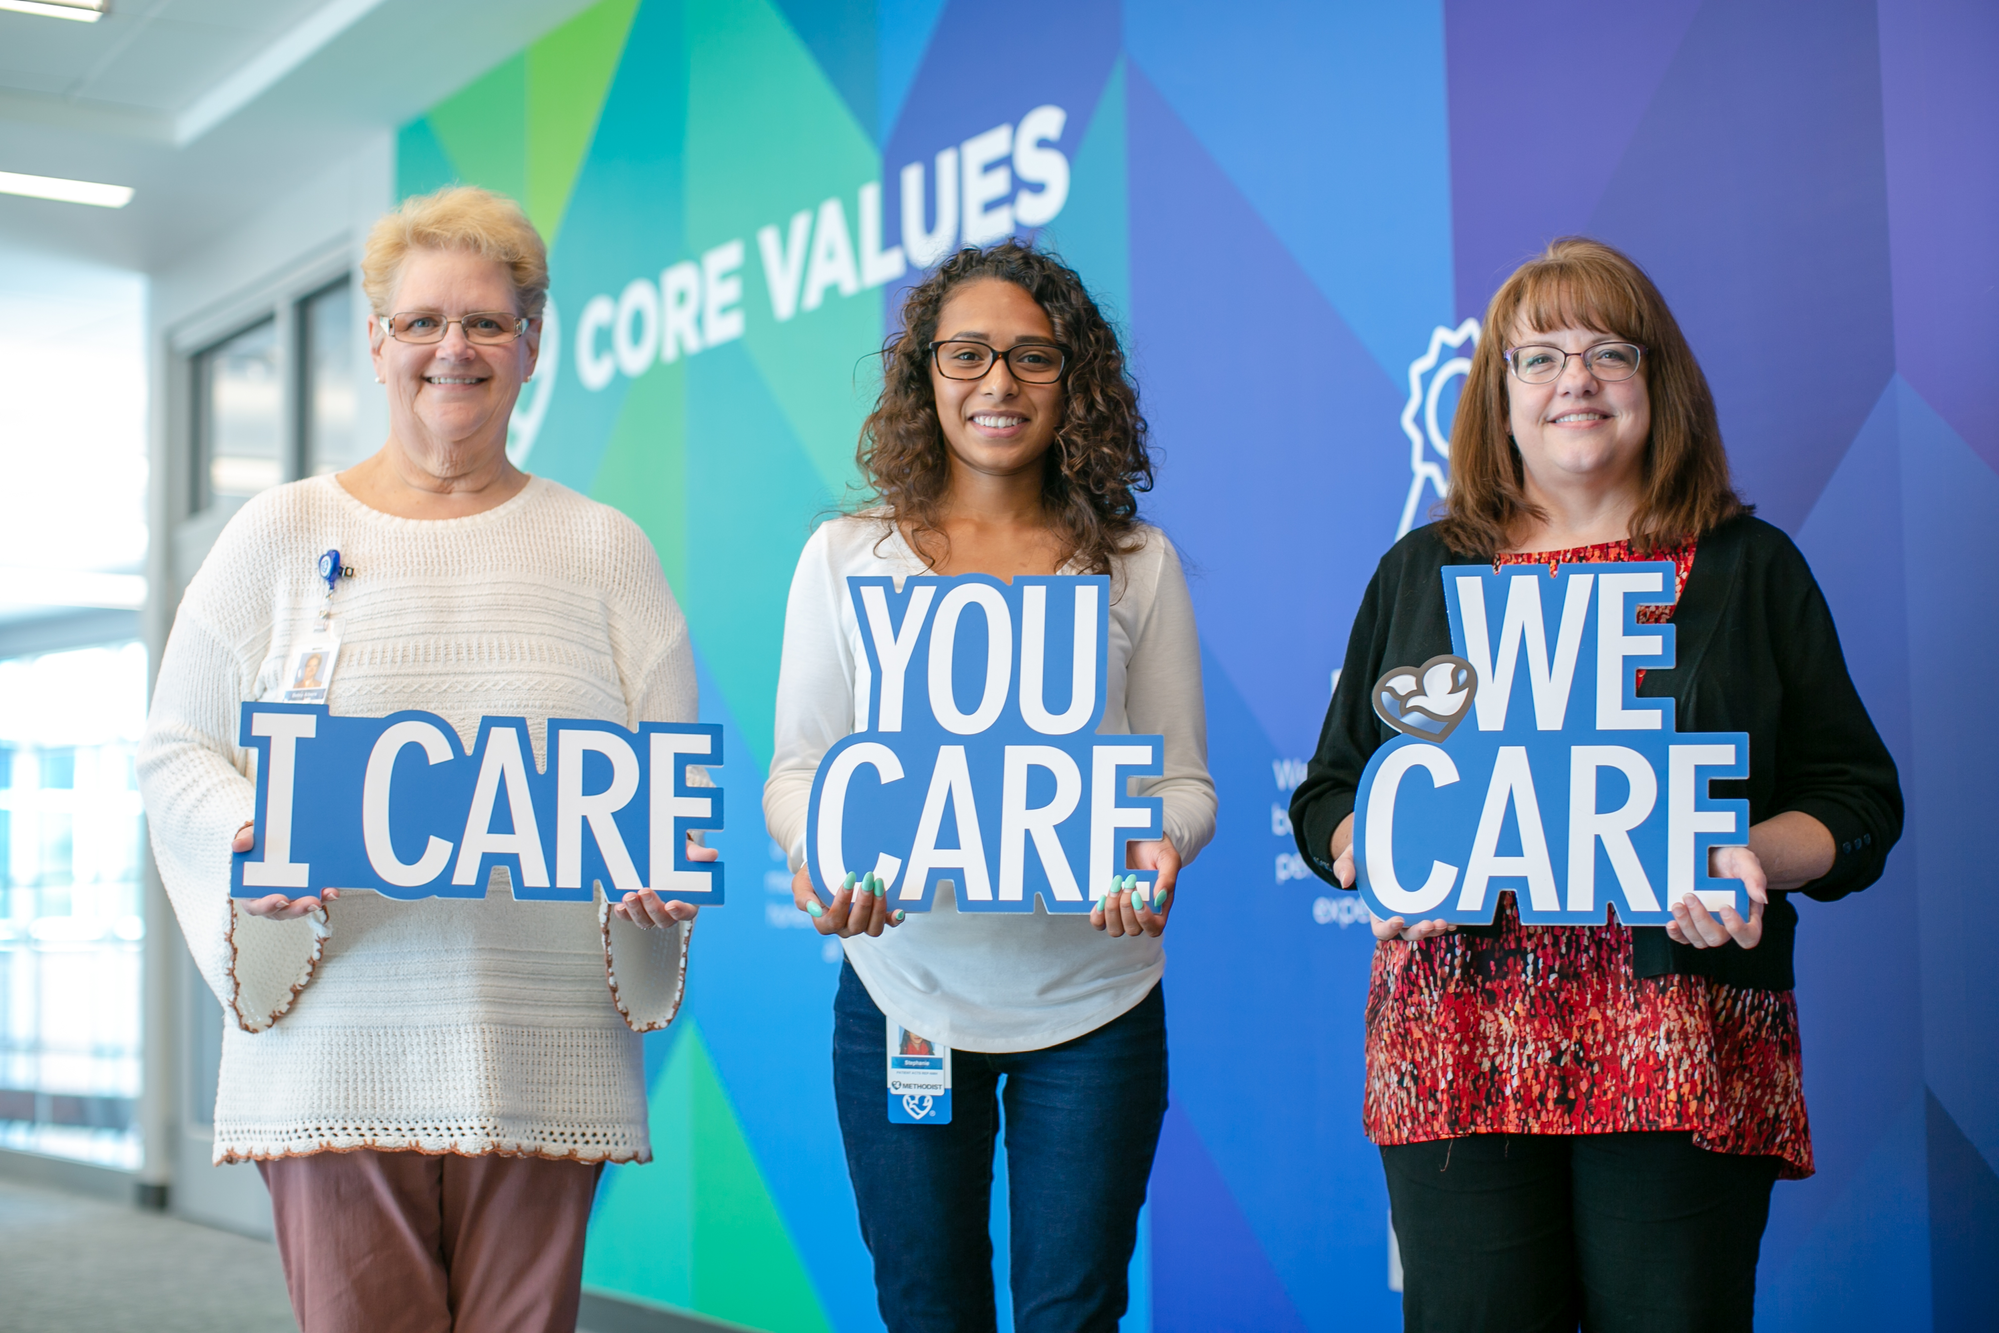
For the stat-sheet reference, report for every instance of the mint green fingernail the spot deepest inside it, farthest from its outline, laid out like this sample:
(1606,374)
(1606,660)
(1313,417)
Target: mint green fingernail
(1159,900)
(848,882)
(814,909)
(876,887)
(1131,881)
(1137,900)
(900,916)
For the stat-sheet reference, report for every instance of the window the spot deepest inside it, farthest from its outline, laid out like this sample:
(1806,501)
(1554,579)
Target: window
(326,403)
(239,440)
(70,925)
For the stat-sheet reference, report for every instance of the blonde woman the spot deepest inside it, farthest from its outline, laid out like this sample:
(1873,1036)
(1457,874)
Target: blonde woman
(430,1088)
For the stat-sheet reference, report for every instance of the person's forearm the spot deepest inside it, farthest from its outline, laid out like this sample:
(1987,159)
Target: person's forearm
(1342,837)
(1795,849)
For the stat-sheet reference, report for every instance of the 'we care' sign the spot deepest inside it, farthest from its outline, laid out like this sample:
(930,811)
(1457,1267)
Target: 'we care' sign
(978,760)
(1528,762)
(394,804)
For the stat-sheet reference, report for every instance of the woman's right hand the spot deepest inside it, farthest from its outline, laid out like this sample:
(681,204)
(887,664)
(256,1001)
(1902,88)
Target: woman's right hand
(1394,927)
(855,911)
(276,905)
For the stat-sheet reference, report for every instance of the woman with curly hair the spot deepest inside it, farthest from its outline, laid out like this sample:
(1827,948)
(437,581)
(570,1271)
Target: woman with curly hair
(1007,440)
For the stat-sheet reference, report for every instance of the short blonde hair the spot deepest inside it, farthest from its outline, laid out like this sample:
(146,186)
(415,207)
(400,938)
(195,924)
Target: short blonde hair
(463,218)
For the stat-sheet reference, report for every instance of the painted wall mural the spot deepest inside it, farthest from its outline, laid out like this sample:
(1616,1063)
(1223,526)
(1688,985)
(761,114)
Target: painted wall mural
(1297,212)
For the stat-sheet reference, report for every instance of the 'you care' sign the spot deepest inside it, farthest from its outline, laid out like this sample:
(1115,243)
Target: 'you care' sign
(978,760)
(1527,761)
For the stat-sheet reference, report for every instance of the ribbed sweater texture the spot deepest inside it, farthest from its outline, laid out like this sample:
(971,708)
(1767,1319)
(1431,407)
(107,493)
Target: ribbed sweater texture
(465,1026)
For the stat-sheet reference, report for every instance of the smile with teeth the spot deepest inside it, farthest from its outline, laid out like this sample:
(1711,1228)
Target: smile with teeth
(454,379)
(1568,417)
(997,420)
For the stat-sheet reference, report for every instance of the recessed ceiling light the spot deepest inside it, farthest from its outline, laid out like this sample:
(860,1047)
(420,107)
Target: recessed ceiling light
(64,191)
(83,11)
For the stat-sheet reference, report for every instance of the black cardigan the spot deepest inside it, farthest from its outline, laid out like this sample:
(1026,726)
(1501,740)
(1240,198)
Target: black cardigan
(1756,652)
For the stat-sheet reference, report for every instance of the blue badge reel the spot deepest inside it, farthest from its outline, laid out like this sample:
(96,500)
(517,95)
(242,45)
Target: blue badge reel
(1526,762)
(978,761)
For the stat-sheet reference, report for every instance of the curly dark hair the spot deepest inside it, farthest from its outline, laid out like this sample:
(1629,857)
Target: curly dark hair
(1099,461)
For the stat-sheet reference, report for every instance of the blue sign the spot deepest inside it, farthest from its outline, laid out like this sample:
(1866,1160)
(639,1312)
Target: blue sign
(393,804)
(974,763)
(1528,762)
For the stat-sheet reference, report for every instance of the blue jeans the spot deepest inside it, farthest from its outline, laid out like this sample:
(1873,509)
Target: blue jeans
(1082,1121)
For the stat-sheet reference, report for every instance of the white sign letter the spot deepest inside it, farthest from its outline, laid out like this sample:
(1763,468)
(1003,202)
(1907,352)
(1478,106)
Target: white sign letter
(1381,831)
(894,648)
(277,870)
(502,762)
(999,658)
(1683,820)
(1034,665)
(950,780)
(1017,821)
(667,805)
(1613,645)
(1512,783)
(1587,824)
(375,806)
(572,807)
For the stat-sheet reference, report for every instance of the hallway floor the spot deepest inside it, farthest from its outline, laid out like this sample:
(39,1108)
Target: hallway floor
(70,1264)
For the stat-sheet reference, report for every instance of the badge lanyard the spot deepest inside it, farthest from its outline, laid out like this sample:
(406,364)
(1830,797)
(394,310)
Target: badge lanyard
(919,1078)
(309,669)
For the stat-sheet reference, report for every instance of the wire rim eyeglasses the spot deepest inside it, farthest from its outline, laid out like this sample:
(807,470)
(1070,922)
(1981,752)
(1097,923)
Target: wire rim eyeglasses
(421,328)
(968,359)
(1542,363)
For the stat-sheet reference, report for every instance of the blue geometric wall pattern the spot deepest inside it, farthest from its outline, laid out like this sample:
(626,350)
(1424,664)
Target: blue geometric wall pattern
(1293,209)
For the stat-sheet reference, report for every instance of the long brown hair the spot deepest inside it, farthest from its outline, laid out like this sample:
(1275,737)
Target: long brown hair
(1580,283)
(1091,475)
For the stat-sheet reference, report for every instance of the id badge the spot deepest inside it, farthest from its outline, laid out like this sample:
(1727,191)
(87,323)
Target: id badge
(309,668)
(919,1078)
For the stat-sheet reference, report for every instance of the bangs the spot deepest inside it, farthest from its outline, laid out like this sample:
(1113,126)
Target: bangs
(1575,293)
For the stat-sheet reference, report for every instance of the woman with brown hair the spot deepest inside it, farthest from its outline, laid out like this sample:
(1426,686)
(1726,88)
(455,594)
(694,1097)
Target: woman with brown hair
(1586,1123)
(1006,441)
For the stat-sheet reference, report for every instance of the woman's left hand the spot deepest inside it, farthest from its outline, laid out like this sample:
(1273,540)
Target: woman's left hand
(1692,922)
(1115,912)
(646,909)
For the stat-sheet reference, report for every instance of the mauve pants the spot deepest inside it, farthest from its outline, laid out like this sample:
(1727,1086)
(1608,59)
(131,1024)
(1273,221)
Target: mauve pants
(403,1242)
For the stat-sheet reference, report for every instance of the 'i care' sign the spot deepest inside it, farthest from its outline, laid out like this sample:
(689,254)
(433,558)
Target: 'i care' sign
(393,804)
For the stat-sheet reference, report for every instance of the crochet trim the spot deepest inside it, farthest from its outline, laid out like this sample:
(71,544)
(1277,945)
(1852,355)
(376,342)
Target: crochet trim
(322,929)
(686,929)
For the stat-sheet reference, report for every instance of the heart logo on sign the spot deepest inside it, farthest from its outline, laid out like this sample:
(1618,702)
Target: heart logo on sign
(916,1107)
(1429,701)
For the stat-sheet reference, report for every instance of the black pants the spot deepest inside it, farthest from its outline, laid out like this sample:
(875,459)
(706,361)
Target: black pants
(1535,1233)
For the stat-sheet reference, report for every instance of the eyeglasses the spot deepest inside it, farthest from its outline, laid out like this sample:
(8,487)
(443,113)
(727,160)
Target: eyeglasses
(1030,363)
(487,327)
(1538,363)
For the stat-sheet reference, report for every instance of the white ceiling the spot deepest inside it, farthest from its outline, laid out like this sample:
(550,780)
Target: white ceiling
(207,107)
(153,55)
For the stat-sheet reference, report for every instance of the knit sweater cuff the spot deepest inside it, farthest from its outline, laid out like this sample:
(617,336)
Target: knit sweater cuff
(646,968)
(270,962)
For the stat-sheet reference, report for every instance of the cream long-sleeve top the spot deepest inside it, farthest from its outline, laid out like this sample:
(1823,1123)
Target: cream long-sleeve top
(465,1026)
(995,981)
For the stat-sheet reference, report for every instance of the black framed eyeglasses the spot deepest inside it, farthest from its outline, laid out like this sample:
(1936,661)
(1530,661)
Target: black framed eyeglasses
(1030,363)
(422,327)
(1540,363)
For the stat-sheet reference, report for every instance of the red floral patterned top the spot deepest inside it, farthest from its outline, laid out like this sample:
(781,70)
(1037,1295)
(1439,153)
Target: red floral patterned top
(1544,1029)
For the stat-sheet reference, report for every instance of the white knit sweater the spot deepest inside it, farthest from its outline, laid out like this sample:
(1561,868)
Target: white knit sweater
(446,1025)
